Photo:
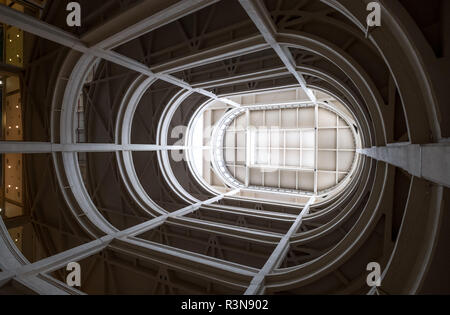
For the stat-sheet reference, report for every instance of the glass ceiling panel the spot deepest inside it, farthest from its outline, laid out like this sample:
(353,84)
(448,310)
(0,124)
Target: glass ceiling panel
(294,147)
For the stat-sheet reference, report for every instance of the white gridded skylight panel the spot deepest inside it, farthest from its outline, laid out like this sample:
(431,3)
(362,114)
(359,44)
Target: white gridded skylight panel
(276,138)
(293,139)
(326,118)
(308,159)
(306,117)
(326,161)
(293,158)
(345,139)
(276,157)
(327,138)
(289,118)
(308,139)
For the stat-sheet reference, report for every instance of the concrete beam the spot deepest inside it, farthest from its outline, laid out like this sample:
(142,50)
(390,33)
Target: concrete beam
(52,33)
(429,161)
(37,27)
(28,273)
(278,253)
(141,19)
(47,147)
(140,228)
(257,11)
(249,77)
(241,47)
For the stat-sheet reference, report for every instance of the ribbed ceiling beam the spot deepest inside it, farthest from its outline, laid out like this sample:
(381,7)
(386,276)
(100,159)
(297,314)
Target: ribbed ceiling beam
(33,275)
(34,26)
(261,18)
(47,147)
(243,78)
(231,50)
(140,228)
(141,19)
(278,253)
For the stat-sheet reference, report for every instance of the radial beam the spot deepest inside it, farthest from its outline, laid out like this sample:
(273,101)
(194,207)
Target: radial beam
(429,161)
(140,228)
(34,26)
(248,77)
(62,259)
(52,33)
(47,147)
(30,272)
(257,11)
(278,253)
(141,19)
(237,48)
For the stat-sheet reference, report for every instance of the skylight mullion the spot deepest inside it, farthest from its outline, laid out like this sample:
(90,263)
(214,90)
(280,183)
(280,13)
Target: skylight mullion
(337,149)
(284,148)
(316,146)
(248,148)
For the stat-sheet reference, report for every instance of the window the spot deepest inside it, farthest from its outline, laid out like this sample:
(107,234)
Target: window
(294,147)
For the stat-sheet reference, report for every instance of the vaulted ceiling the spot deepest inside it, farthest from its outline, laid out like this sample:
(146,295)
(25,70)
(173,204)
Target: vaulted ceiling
(114,174)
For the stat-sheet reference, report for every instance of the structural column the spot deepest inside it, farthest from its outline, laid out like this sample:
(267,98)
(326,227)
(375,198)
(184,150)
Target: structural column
(429,161)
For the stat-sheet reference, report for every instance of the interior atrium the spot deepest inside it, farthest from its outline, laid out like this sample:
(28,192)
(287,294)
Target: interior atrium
(224,147)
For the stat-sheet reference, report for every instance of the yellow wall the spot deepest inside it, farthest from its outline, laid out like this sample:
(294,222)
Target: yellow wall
(12,192)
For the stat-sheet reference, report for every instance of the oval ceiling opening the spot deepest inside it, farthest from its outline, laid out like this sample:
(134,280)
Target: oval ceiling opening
(277,142)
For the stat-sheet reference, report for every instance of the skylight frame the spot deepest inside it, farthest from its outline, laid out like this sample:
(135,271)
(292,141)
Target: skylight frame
(218,160)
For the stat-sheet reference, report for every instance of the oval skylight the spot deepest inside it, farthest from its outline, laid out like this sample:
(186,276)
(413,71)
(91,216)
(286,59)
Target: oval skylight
(293,146)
